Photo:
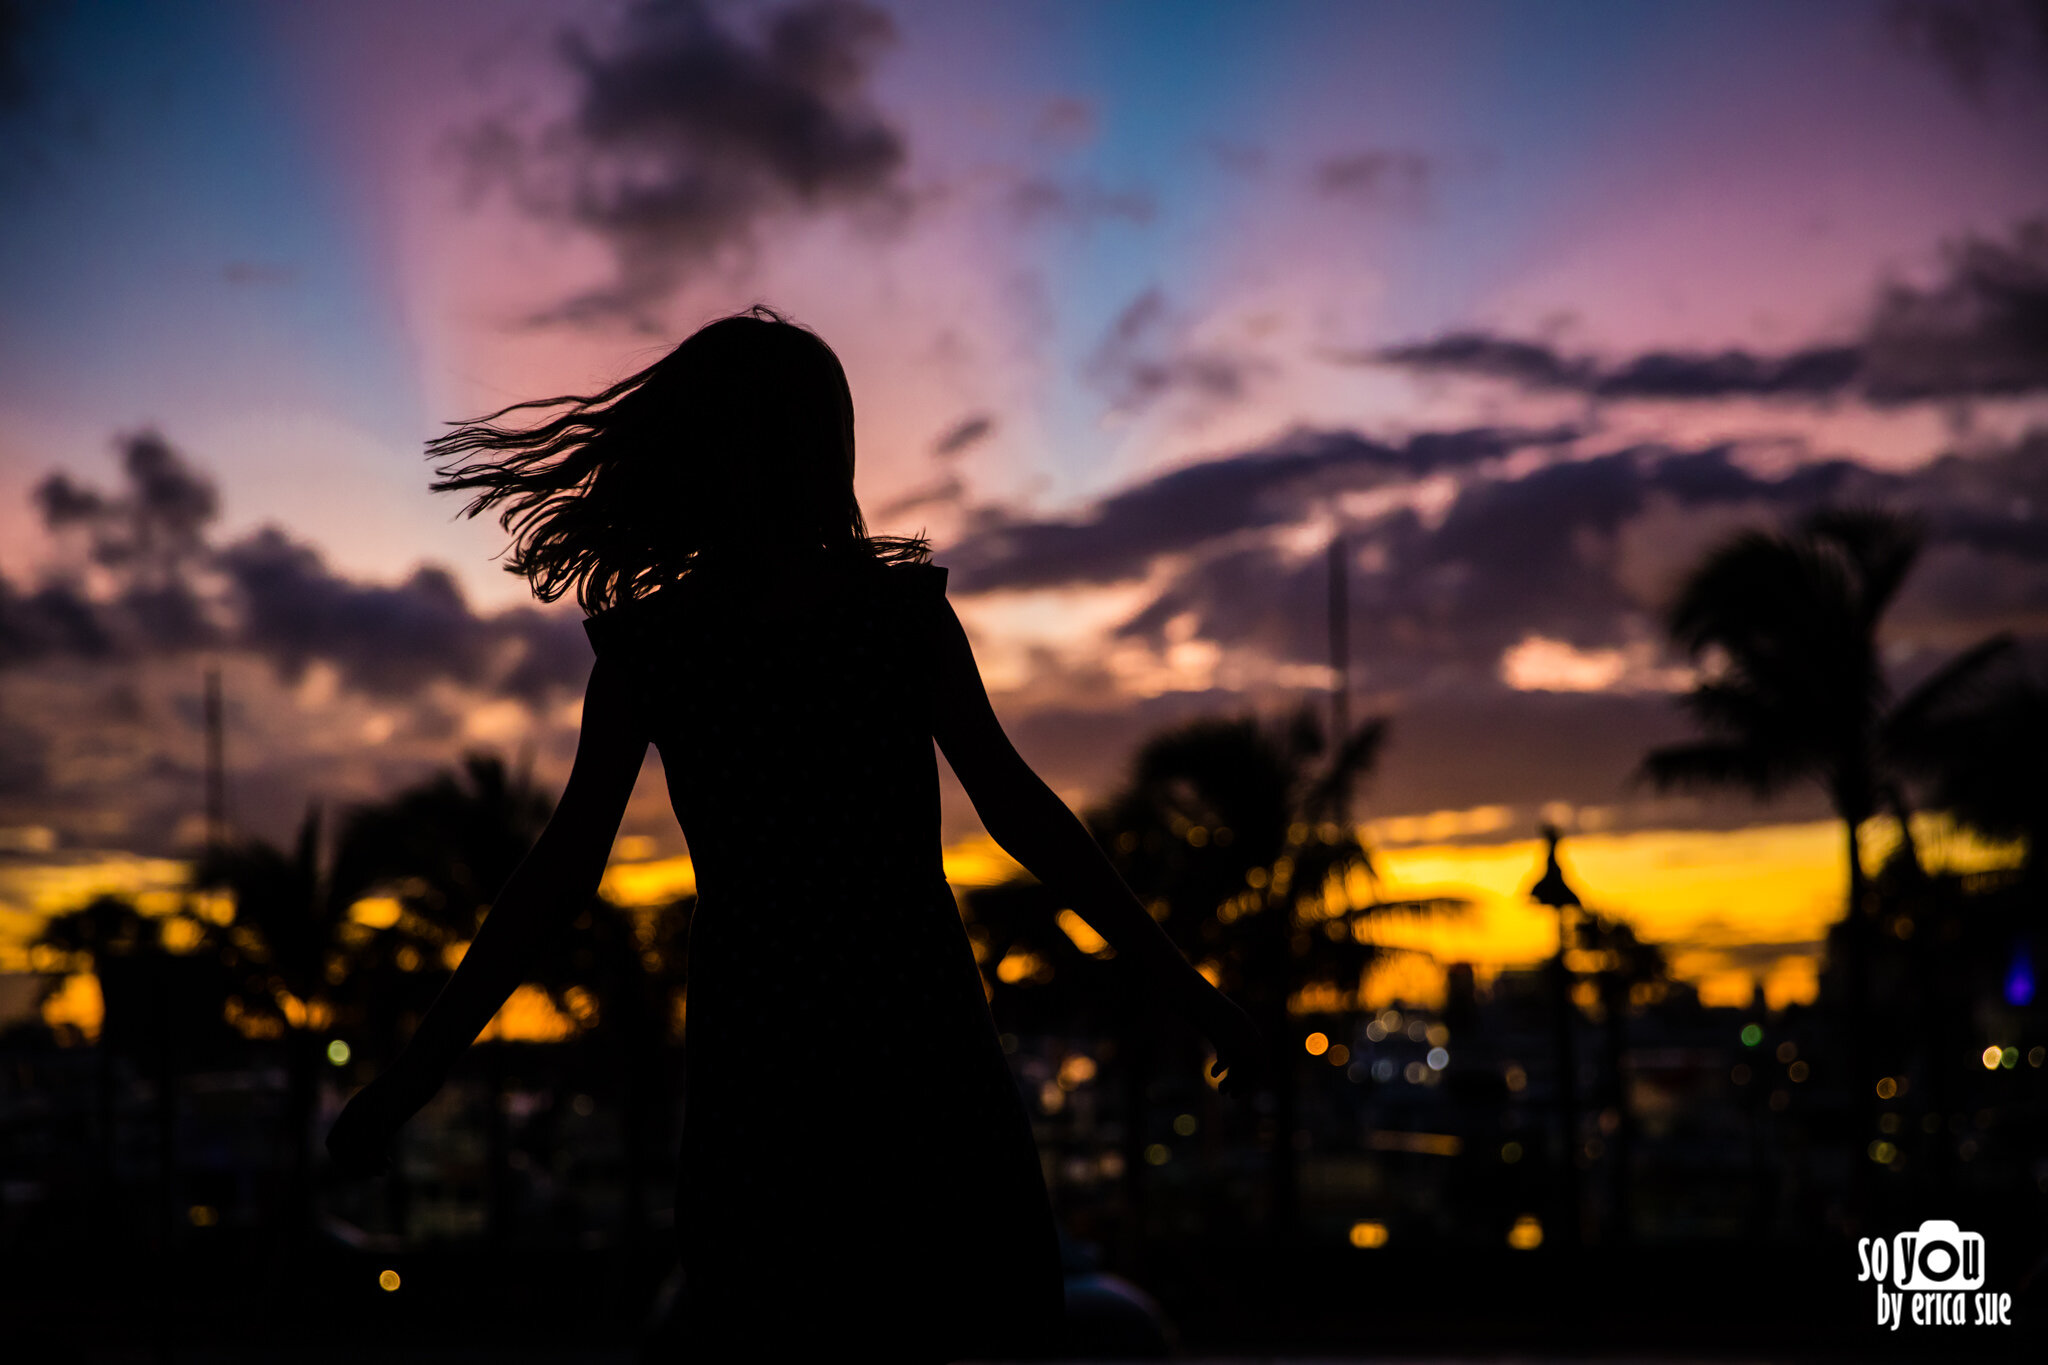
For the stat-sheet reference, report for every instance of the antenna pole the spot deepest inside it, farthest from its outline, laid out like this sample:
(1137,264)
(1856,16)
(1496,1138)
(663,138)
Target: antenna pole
(216,766)
(1340,642)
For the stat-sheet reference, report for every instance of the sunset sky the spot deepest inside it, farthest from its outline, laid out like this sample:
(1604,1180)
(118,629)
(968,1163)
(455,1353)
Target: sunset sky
(1140,303)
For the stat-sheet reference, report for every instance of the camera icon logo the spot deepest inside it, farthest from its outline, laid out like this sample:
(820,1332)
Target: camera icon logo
(1939,1256)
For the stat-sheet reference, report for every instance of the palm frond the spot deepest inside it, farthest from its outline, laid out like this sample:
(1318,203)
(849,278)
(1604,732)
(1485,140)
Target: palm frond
(1985,762)
(1304,736)
(1416,907)
(1355,757)
(1738,590)
(1966,682)
(1880,545)
(1708,764)
(1737,707)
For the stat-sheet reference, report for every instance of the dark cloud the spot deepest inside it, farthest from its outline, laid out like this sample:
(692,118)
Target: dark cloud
(1974,43)
(1815,372)
(392,640)
(1995,504)
(1145,356)
(1436,602)
(1819,372)
(1980,332)
(1121,535)
(387,640)
(1580,551)
(1586,553)
(168,589)
(1985,568)
(60,619)
(964,434)
(63,504)
(1537,554)
(148,540)
(154,527)
(1378,178)
(1528,363)
(687,133)
(54,620)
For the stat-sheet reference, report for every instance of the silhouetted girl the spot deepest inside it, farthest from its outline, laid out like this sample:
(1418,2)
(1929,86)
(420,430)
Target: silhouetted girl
(858,1177)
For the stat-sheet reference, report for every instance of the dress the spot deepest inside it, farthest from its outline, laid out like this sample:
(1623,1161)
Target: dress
(857,1170)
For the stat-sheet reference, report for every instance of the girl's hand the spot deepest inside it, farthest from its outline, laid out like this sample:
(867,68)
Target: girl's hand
(361,1140)
(1241,1055)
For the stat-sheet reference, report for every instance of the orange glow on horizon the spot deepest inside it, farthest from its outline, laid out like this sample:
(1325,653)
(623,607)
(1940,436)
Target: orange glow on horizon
(1732,908)
(1719,901)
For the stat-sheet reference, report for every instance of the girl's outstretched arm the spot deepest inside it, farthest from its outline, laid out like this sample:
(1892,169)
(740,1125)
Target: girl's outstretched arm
(1035,827)
(549,887)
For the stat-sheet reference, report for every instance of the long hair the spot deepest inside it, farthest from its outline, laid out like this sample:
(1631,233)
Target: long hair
(740,438)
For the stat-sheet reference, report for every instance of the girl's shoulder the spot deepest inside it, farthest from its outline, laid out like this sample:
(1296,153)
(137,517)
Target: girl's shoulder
(831,577)
(608,629)
(920,576)
(697,594)
(624,622)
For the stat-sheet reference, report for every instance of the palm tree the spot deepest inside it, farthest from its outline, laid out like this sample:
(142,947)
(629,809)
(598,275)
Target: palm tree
(1785,627)
(288,928)
(442,850)
(439,850)
(299,963)
(1992,754)
(161,1012)
(1626,970)
(303,965)
(618,972)
(1552,890)
(1233,831)
(446,845)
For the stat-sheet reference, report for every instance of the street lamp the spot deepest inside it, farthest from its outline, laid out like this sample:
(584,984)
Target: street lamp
(1552,890)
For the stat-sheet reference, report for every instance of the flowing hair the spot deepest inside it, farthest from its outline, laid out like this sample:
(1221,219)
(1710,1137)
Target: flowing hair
(741,437)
